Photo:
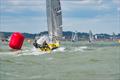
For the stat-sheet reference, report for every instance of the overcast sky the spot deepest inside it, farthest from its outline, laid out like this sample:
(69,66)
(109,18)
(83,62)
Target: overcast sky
(100,16)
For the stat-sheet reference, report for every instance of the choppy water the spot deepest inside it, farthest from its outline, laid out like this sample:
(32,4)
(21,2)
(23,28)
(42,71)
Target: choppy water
(73,61)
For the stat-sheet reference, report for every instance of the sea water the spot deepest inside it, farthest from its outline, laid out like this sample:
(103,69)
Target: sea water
(72,61)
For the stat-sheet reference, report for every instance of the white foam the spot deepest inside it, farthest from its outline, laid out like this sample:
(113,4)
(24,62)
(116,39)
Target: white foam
(60,49)
(82,48)
(30,52)
(22,52)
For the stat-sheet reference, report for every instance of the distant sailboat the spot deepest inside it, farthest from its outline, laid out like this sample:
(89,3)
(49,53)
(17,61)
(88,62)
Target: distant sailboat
(91,37)
(96,36)
(2,37)
(113,36)
(74,37)
(54,22)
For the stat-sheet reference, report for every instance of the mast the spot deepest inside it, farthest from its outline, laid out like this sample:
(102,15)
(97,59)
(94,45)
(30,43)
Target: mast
(54,19)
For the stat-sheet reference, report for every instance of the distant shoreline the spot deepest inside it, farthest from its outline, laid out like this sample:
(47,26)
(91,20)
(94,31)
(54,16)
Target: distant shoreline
(67,35)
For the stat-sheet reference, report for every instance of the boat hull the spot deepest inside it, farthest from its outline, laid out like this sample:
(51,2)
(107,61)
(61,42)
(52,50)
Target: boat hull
(50,47)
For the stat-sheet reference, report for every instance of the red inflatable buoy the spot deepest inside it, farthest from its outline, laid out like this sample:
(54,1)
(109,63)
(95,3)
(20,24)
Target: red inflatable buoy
(16,40)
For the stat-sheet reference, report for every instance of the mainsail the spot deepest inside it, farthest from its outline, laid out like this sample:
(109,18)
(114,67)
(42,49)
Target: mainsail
(54,19)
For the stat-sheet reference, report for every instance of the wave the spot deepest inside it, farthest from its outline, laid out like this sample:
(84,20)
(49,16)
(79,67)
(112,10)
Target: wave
(34,51)
(9,74)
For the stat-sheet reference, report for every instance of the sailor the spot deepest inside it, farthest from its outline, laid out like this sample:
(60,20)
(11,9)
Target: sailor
(41,42)
(35,44)
(45,44)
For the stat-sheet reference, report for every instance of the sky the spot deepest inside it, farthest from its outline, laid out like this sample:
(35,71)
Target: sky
(100,16)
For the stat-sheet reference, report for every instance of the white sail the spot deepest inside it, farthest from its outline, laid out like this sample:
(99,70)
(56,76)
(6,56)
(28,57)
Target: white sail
(54,18)
(91,37)
(74,37)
